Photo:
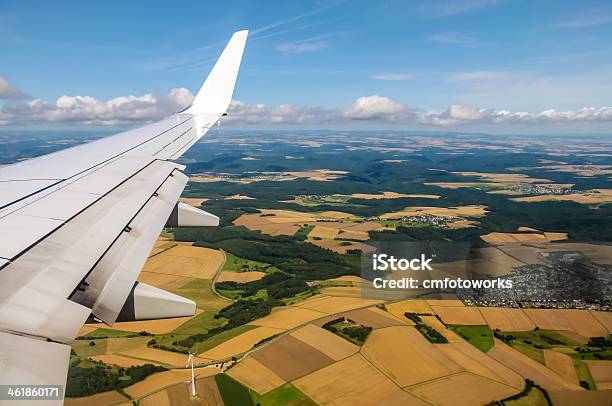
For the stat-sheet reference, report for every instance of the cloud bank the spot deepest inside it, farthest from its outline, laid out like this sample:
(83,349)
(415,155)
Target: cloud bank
(18,109)
(8,91)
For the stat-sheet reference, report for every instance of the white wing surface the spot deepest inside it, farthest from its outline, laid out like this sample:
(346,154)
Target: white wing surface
(76,227)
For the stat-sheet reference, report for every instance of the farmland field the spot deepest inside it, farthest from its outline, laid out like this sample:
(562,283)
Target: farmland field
(298,210)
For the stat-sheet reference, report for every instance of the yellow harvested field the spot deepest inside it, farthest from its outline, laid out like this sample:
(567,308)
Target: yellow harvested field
(288,318)
(319,175)
(353,235)
(507,319)
(527,229)
(86,329)
(178,395)
(193,201)
(529,368)
(352,278)
(601,371)
(462,389)
(582,170)
(331,305)
(328,225)
(240,277)
(164,281)
(286,216)
(240,343)
(323,232)
(412,306)
(562,364)
(339,247)
(328,343)
(518,238)
(115,345)
(504,177)
(604,318)
(336,214)
(353,381)
(160,356)
(364,227)
(391,195)
(186,260)
(342,291)
(433,322)
(467,316)
(161,326)
(493,261)
(405,356)
(104,398)
(375,318)
(255,375)
(461,185)
(160,398)
(460,211)
(595,196)
(477,362)
(165,379)
(161,245)
(121,360)
(580,321)
(274,222)
(446,302)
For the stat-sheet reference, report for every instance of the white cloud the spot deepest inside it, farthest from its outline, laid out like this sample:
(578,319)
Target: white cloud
(392,76)
(243,113)
(89,110)
(127,110)
(8,91)
(376,108)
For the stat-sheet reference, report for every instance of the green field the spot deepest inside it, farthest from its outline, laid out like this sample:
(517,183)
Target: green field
(237,264)
(233,392)
(480,337)
(286,395)
(584,374)
(109,333)
(531,343)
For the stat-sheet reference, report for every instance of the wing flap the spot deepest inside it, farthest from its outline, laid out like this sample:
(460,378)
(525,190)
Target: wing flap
(111,280)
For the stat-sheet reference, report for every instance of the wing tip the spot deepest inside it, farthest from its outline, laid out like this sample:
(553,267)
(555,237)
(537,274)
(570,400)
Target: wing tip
(215,94)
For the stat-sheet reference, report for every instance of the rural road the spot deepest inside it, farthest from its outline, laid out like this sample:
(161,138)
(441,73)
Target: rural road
(216,276)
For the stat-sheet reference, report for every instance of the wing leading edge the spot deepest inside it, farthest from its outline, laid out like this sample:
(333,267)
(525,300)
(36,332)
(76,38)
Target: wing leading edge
(77,225)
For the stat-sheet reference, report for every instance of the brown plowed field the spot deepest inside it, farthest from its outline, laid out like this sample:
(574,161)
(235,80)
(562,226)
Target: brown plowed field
(290,358)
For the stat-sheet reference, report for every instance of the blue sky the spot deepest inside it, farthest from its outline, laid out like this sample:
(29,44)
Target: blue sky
(321,57)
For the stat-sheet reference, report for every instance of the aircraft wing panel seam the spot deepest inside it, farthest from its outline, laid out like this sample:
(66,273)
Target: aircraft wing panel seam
(72,294)
(64,222)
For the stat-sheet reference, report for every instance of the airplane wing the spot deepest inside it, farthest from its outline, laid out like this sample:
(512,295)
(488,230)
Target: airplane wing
(76,227)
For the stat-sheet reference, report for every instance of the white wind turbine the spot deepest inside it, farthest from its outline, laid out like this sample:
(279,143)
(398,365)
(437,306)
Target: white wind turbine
(192,383)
